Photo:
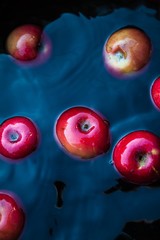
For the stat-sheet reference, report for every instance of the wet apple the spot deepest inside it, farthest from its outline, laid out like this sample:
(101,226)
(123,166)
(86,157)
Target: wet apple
(12,217)
(24,41)
(19,137)
(127,51)
(137,157)
(83,132)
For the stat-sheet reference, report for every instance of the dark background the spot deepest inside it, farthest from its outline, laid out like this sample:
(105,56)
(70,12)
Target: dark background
(15,13)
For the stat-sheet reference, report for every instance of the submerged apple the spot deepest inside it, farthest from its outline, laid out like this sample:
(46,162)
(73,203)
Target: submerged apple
(137,157)
(23,42)
(127,51)
(18,137)
(83,132)
(12,217)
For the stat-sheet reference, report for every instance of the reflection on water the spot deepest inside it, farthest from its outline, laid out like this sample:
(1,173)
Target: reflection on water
(75,75)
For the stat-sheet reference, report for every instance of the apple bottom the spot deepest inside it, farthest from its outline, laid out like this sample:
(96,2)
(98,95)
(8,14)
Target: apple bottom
(137,157)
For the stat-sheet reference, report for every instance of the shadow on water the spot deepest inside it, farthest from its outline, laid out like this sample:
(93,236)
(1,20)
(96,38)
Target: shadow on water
(139,230)
(59,188)
(125,186)
(51,229)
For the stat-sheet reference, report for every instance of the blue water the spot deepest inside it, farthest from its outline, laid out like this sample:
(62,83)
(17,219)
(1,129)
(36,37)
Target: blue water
(75,75)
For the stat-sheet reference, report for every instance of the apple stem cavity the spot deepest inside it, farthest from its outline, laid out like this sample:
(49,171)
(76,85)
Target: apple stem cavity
(141,159)
(85,126)
(119,55)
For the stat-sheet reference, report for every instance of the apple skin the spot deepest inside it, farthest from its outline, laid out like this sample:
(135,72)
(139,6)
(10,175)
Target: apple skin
(137,157)
(83,132)
(127,51)
(23,42)
(12,217)
(155,93)
(19,137)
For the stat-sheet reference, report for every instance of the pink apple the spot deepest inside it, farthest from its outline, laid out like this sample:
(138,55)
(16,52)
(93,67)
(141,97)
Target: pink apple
(83,132)
(127,51)
(12,217)
(19,137)
(137,157)
(23,42)
(155,92)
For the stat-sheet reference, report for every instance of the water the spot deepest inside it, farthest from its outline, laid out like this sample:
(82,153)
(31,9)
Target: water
(75,75)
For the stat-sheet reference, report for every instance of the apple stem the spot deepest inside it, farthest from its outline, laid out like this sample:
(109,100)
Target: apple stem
(84,126)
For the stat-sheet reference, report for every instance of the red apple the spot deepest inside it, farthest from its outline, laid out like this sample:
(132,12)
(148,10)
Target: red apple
(18,137)
(155,92)
(83,132)
(127,51)
(23,42)
(12,217)
(137,157)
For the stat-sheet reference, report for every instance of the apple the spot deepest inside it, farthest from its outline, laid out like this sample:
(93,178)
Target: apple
(155,92)
(23,42)
(127,51)
(19,137)
(83,132)
(137,157)
(12,217)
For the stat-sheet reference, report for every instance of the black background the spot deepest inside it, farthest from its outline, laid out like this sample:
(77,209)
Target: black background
(15,13)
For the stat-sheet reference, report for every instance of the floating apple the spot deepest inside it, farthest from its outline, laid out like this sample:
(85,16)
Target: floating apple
(155,92)
(24,41)
(18,137)
(127,51)
(83,132)
(137,157)
(12,217)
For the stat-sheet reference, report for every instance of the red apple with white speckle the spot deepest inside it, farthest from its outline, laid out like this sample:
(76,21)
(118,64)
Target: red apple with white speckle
(19,137)
(83,132)
(137,157)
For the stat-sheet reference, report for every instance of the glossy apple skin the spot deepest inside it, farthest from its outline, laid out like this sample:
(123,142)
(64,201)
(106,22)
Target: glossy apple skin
(137,157)
(23,42)
(127,51)
(12,218)
(155,93)
(79,141)
(19,137)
